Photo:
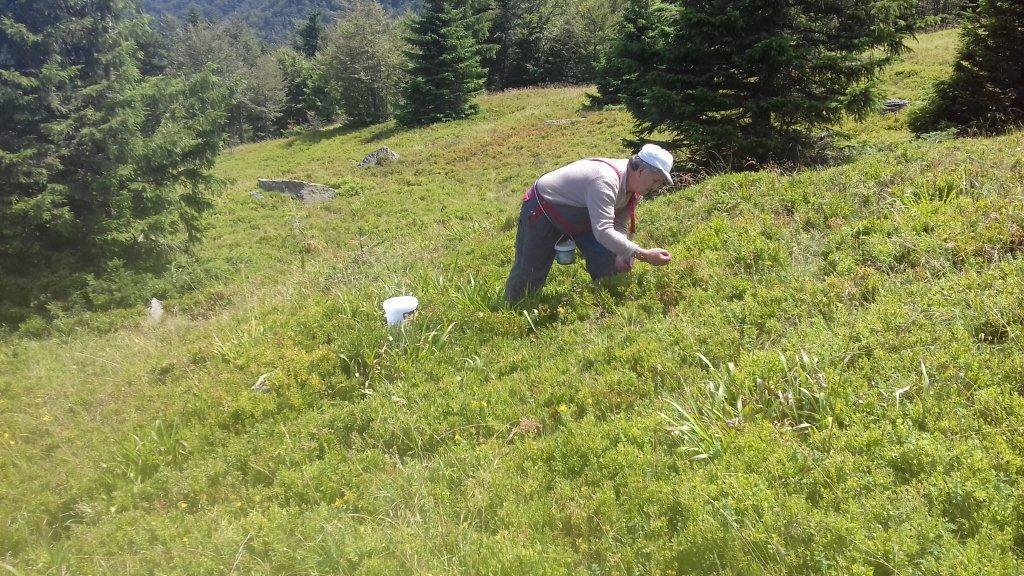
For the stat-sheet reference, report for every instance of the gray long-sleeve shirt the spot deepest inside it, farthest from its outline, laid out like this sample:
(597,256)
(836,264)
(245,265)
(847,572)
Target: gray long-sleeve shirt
(595,186)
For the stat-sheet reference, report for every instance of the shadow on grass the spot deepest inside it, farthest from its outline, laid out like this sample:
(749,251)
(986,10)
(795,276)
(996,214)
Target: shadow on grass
(380,132)
(384,132)
(597,103)
(62,288)
(809,150)
(318,136)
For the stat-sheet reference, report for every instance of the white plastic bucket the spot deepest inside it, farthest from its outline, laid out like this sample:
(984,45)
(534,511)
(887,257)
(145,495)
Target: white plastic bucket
(397,308)
(565,252)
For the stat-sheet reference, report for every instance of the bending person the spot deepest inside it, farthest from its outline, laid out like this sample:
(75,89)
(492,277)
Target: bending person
(593,201)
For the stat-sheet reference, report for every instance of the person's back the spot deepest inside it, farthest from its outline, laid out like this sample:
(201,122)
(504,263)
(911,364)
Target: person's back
(573,183)
(599,186)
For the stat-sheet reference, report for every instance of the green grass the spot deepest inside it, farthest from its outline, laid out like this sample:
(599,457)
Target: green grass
(826,380)
(910,78)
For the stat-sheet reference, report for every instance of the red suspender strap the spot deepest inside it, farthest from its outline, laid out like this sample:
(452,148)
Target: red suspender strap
(631,206)
(544,206)
(617,171)
(529,192)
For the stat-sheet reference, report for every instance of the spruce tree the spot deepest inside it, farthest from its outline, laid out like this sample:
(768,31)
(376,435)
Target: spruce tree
(444,73)
(98,162)
(193,17)
(985,92)
(309,99)
(737,83)
(516,32)
(308,42)
(643,35)
(503,35)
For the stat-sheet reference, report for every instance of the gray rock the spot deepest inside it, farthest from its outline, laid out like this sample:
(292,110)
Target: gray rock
(255,194)
(261,385)
(379,157)
(308,192)
(894,105)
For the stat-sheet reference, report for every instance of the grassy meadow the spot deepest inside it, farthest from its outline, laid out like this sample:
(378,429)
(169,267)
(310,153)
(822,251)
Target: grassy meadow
(827,379)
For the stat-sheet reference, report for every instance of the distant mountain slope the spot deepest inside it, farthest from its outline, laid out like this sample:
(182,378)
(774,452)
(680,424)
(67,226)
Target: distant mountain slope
(273,19)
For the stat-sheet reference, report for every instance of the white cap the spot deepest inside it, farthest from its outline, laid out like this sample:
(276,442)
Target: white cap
(659,158)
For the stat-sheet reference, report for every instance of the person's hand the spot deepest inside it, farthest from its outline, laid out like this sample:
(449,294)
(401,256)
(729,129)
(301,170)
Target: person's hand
(623,264)
(654,256)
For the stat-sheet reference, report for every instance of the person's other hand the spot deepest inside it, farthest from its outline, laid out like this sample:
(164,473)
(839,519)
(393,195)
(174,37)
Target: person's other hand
(623,264)
(654,256)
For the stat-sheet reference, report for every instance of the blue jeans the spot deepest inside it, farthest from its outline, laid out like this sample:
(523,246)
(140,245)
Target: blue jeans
(535,249)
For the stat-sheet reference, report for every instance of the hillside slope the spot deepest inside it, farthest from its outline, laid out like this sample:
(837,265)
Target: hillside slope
(827,379)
